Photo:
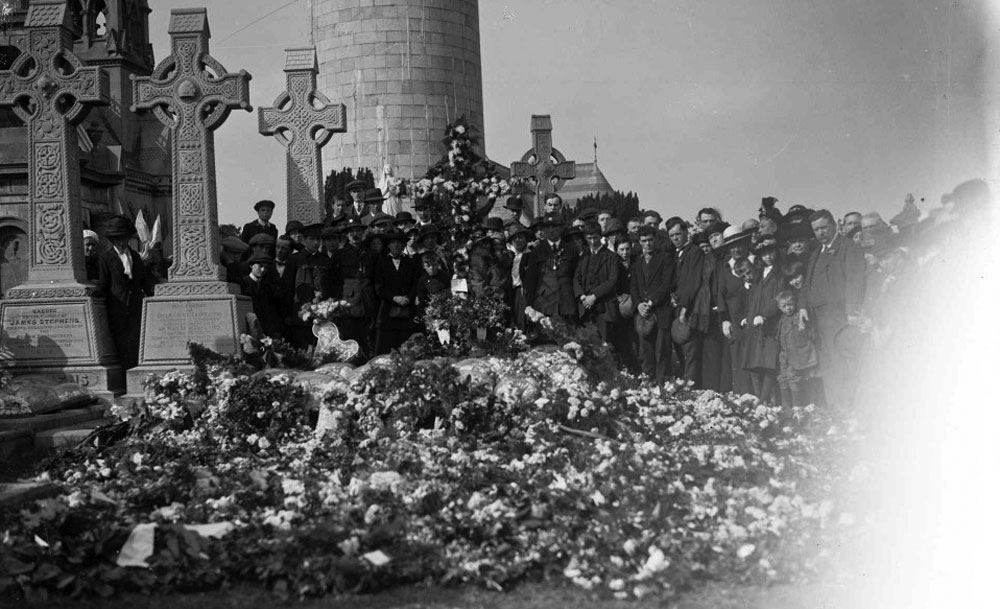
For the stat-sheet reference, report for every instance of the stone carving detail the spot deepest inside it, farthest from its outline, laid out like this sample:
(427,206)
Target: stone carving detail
(192,94)
(543,164)
(212,288)
(52,91)
(303,129)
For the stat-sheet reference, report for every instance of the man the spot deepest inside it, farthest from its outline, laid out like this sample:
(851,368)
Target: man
(651,284)
(261,244)
(379,223)
(264,209)
(652,218)
(338,210)
(425,215)
(595,284)
(263,293)
(355,268)
(395,286)
(832,295)
(374,199)
(851,224)
(603,218)
(715,364)
(313,271)
(554,205)
(707,216)
(90,240)
(494,228)
(691,297)
(293,232)
(515,205)
(123,283)
(284,279)
(403,221)
(356,191)
(232,253)
(548,280)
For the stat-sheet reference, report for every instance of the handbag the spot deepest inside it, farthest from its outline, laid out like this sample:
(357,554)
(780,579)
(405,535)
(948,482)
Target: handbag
(644,326)
(625,305)
(762,351)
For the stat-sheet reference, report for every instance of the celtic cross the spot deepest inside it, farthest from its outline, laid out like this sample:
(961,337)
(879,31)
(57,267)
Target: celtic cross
(303,120)
(543,163)
(51,91)
(192,94)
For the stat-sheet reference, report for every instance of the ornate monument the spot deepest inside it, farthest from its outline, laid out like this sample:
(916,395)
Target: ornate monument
(543,164)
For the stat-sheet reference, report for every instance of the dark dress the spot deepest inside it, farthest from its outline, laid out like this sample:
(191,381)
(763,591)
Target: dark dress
(395,322)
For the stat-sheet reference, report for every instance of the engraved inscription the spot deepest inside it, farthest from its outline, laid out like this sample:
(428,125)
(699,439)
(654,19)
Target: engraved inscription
(170,325)
(47,332)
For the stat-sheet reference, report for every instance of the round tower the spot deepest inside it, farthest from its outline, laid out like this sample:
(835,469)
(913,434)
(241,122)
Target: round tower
(404,69)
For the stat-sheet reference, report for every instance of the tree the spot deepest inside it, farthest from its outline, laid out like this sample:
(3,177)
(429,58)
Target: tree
(621,205)
(337,181)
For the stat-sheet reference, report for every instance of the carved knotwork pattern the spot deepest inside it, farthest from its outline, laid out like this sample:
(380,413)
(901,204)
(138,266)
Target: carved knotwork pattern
(48,171)
(51,234)
(193,252)
(190,162)
(192,198)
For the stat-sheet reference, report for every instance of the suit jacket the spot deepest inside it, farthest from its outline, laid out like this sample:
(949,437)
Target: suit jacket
(598,274)
(653,282)
(762,301)
(123,295)
(835,279)
(264,296)
(557,266)
(391,282)
(251,229)
(694,283)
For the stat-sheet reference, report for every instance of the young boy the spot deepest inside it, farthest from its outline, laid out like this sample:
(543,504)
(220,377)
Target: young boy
(797,360)
(433,280)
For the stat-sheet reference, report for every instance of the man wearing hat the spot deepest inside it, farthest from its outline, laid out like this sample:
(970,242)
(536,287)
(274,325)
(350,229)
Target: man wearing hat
(314,274)
(692,296)
(262,244)
(494,228)
(90,241)
(293,232)
(123,283)
(374,200)
(595,284)
(355,266)
(403,221)
(232,252)
(425,214)
(263,292)
(358,208)
(264,209)
(515,205)
(715,364)
(548,280)
(651,283)
(395,287)
(379,222)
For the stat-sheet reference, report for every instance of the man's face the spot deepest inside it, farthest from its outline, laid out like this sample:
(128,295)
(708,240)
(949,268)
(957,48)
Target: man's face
(716,240)
(624,250)
(602,220)
(553,205)
(787,307)
(705,247)
(633,226)
(330,243)
(260,250)
(257,270)
(678,236)
(594,241)
(431,268)
(647,243)
(424,213)
(768,257)
(851,222)
(282,249)
(704,219)
(339,205)
(357,197)
(396,247)
(552,231)
(825,230)
(296,237)
(354,236)
(520,242)
(264,213)
(651,221)
(311,244)
(89,247)
(738,250)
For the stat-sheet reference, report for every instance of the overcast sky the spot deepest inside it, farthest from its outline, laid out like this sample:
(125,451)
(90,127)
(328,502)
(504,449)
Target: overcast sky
(846,104)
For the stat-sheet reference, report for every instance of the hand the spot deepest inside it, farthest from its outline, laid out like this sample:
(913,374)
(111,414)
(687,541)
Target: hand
(682,316)
(401,300)
(758,321)
(803,318)
(727,329)
(589,301)
(743,323)
(644,309)
(673,300)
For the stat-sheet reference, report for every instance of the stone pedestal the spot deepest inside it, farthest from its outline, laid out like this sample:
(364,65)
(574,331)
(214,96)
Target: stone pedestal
(60,331)
(212,314)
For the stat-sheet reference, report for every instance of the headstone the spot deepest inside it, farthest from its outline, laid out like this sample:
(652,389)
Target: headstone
(545,165)
(50,323)
(192,94)
(303,120)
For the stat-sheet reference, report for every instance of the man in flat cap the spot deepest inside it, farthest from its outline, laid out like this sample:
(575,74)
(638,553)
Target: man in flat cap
(264,209)
(356,191)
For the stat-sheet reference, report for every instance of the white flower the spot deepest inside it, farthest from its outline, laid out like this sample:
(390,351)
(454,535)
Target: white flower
(371,514)
(630,546)
(745,550)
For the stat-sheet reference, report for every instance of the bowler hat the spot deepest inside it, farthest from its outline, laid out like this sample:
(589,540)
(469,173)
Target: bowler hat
(265,203)
(519,229)
(514,203)
(374,195)
(405,216)
(329,232)
(354,185)
(262,239)
(493,223)
(294,227)
(313,230)
(119,226)
(234,244)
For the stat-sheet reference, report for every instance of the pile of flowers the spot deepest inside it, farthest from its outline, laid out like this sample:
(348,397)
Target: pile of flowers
(485,471)
(330,309)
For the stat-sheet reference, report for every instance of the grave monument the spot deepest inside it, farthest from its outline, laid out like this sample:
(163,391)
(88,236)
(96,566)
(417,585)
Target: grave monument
(51,324)
(543,164)
(191,94)
(303,120)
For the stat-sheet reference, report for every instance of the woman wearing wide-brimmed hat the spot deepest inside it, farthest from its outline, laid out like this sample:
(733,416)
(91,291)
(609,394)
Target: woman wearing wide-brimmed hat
(123,282)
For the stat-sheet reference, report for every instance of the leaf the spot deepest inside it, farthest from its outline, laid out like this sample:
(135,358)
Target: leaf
(65,581)
(13,566)
(41,542)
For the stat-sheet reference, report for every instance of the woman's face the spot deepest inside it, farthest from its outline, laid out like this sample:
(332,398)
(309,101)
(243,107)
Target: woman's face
(797,281)
(769,257)
(623,250)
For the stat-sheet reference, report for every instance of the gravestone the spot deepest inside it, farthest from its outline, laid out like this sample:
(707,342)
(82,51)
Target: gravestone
(192,94)
(303,120)
(543,164)
(51,324)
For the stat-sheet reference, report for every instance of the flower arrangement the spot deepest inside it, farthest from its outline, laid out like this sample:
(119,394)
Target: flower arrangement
(584,343)
(466,324)
(330,309)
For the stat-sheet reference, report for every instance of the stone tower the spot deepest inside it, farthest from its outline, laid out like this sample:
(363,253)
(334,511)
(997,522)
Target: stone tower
(404,69)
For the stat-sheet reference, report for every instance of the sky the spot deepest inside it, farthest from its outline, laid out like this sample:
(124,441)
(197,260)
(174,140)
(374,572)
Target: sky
(848,105)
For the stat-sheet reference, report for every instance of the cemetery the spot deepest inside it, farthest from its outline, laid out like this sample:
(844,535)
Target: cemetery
(197,451)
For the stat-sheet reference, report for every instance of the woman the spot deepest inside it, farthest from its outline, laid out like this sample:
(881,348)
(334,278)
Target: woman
(626,342)
(762,319)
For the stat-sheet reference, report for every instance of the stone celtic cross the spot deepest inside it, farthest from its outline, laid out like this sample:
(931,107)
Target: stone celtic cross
(192,94)
(303,120)
(51,91)
(543,163)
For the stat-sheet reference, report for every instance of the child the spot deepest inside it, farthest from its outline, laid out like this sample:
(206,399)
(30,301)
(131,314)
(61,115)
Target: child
(433,280)
(797,360)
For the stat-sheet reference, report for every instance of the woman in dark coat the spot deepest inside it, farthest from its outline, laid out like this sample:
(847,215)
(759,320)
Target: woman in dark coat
(762,321)
(123,282)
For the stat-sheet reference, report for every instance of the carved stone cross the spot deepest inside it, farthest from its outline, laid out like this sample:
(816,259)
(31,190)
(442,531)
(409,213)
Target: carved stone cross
(543,163)
(51,91)
(192,94)
(303,120)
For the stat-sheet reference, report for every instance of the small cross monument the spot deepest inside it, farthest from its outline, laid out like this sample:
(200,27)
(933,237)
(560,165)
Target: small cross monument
(51,324)
(545,165)
(303,120)
(192,94)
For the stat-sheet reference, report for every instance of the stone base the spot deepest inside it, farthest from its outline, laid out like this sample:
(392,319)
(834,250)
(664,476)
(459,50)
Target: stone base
(62,332)
(173,319)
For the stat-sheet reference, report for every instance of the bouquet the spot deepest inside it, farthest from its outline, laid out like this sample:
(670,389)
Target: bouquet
(324,310)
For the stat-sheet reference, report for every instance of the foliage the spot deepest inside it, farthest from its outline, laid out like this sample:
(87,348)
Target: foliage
(489,471)
(228,230)
(337,181)
(474,324)
(584,343)
(622,205)
(330,309)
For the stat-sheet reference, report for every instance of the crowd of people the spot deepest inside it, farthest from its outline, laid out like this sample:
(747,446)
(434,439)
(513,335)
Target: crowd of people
(781,305)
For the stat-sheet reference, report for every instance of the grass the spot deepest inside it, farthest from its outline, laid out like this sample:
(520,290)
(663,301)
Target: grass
(529,596)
